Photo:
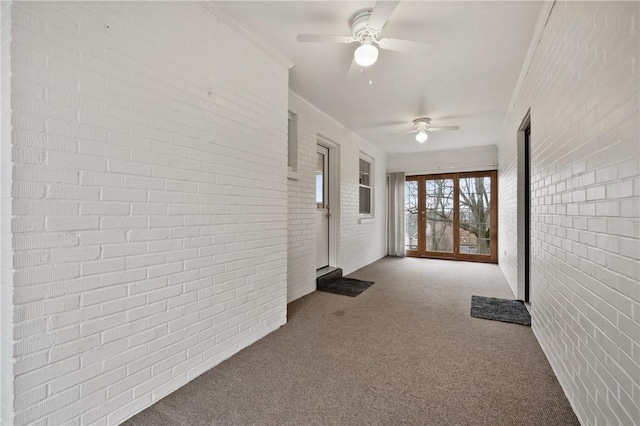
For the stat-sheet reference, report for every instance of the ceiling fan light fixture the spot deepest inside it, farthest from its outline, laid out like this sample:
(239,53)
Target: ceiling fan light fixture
(422,136)
(366,54)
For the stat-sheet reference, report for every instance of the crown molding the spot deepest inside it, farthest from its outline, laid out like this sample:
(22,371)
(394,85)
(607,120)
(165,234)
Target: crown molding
(258,41)
(321,112)
(543,18)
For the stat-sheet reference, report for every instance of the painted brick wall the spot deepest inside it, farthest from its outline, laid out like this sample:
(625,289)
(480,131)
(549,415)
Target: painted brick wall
(6,267)
(358,243)
(362,241)
(583,91)
(150,203)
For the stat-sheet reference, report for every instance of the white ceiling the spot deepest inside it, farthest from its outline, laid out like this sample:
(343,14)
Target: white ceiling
(467,80)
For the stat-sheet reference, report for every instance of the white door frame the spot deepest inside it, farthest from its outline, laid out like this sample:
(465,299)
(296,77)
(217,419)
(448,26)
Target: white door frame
(323,211)
(334,196)
(524,255)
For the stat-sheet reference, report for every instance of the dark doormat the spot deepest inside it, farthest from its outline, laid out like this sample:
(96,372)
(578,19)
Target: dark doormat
(500,310)
(347,287)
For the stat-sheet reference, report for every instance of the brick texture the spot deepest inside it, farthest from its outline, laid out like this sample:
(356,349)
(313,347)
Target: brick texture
(6,254)
(359,243)
(582,89)
(149,204)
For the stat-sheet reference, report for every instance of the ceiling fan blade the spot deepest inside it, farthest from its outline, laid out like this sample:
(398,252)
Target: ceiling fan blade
(354,70)
(324,38)
(406,46)
(381,13)
(404,133)
(441,128)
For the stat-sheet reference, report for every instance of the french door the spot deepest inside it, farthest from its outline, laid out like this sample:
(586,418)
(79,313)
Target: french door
(452,216)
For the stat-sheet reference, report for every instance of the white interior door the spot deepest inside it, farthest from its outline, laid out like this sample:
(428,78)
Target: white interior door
(322,203)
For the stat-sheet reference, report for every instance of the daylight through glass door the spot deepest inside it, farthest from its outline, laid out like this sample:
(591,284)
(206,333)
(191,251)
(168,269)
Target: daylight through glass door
(452,216)
(438,217)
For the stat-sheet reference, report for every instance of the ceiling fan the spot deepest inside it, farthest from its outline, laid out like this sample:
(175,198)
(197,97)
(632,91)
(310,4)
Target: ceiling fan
(366,27)
(422,126)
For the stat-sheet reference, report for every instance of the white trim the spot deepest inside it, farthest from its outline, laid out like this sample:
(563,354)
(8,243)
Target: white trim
(543,18)
(452,169)
(372,174)
(366,157)
(334,196)
(258,41)
(520,208)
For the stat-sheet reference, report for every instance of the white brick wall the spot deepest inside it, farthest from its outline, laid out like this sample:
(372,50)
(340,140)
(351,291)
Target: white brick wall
(358,243)
(6,255)
(582,88)
(149,203)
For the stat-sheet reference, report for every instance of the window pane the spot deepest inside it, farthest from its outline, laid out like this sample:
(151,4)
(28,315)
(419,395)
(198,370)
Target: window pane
(411,215)
(320,181)
(439,236)
(439,215)
(364,173)
(365,200)
(292,142)
(475,205)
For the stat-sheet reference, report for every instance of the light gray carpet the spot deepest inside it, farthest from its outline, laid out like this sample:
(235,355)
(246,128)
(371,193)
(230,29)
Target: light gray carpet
(406,351)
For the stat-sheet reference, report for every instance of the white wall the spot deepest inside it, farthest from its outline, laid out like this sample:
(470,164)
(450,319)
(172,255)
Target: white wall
(445,161)
(358,243)
(582,88)
(6,267)
(150,203)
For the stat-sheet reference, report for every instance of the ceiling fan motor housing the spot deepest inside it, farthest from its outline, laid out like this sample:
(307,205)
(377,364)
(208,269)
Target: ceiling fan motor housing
(359,25)
(422,123)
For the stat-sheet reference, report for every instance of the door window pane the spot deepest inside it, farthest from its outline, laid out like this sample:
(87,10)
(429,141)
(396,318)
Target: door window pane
(320,181)
(475,208)
(439,215)
(411,215)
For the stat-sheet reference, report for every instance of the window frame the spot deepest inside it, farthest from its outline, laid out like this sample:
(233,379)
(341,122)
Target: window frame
(371,187)
(292,144)
(421,250)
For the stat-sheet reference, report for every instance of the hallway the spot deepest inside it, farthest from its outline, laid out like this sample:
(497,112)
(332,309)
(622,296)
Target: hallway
(404,351)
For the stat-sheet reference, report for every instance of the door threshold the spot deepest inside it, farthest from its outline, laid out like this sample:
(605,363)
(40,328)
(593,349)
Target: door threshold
(324,271)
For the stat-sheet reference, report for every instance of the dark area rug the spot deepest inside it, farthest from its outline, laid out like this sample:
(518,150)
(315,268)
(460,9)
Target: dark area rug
(347,287)
(500,310)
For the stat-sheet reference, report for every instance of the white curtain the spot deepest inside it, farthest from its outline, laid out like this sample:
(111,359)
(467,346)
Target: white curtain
(395,234)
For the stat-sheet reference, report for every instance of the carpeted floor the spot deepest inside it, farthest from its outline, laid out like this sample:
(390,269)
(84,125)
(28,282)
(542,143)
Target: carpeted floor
(406,351)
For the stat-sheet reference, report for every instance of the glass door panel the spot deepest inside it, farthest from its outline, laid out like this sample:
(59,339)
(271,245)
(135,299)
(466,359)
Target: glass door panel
(411,215)
(321,188)
(475,215)
(438,220)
